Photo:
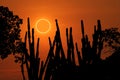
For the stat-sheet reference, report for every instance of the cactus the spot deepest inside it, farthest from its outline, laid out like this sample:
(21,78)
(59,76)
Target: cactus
(57,65)
(33,64)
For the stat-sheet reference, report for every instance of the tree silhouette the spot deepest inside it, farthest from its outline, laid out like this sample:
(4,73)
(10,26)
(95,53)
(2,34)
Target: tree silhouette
(111,37)
(9,32)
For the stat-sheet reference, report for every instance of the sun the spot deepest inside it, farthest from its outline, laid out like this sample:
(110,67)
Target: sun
(43,26)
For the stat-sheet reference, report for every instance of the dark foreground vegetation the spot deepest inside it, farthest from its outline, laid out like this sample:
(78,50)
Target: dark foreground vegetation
(57,66)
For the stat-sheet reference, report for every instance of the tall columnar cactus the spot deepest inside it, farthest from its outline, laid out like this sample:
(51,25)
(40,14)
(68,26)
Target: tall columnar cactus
(70,46)
(91,53)
(97,44)
(78,55)
(86,48)
(32,61)
(56,56)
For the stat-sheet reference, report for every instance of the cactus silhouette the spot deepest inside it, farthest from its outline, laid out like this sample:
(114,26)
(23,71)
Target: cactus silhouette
(57,66)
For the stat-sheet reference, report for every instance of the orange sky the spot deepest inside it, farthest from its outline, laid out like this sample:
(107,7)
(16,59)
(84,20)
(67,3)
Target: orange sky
(68,12)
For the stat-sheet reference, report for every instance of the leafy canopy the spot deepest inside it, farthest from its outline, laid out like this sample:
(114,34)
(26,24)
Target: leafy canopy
(9,32)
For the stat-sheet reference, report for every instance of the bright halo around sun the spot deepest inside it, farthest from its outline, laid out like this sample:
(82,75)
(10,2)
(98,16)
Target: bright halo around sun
(43,26)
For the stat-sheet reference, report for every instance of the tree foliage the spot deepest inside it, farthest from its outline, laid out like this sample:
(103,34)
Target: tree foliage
(9,32)
(111,39)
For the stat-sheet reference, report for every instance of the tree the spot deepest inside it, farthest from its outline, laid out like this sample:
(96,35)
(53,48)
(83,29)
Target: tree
(9,32)
(111,39)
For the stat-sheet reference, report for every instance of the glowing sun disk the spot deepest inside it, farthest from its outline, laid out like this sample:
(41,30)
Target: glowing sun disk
(39,22)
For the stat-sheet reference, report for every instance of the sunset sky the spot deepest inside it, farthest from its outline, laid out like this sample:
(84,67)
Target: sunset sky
(68,12)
